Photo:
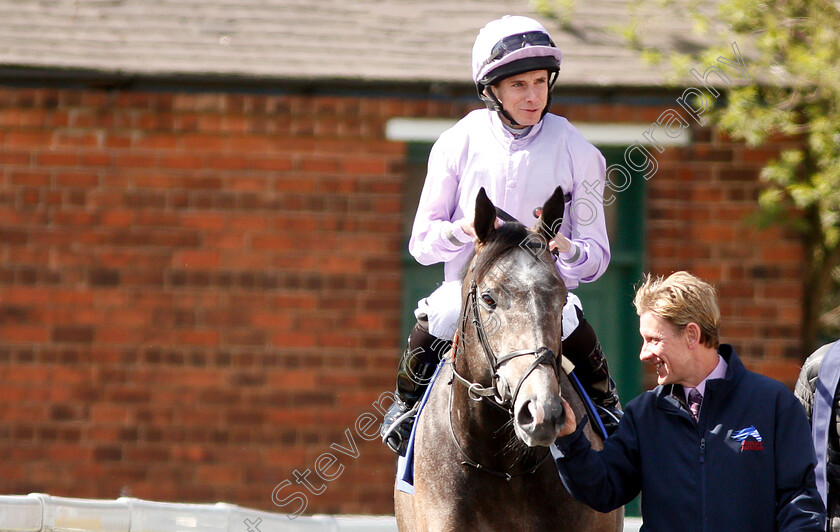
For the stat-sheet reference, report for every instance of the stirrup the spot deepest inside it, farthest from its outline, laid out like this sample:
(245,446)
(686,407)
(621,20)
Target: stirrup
(401,442)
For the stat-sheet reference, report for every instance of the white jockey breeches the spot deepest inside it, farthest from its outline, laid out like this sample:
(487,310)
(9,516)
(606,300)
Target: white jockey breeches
(443,308)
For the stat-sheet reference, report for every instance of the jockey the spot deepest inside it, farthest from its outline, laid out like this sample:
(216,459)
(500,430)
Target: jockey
(519,153)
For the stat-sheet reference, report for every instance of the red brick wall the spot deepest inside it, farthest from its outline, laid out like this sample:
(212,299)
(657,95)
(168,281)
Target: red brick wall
(200,293)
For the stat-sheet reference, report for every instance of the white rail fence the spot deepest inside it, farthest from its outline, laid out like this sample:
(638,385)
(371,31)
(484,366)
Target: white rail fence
(38,512)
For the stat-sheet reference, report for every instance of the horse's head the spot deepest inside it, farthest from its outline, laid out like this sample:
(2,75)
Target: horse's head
(514,297)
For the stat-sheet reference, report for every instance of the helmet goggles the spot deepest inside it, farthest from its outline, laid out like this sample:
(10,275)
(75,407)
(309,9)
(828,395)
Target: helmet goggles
(512,43)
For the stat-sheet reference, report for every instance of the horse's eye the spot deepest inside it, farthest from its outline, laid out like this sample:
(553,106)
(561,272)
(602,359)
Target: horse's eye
(488,300)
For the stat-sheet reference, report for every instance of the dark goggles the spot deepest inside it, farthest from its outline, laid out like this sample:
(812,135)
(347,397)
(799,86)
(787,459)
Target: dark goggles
(516,42)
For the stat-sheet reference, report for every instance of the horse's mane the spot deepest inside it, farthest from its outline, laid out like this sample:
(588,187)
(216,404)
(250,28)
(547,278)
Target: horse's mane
(502,240)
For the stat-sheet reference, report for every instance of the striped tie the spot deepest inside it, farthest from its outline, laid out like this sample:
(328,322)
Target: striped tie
(694,400)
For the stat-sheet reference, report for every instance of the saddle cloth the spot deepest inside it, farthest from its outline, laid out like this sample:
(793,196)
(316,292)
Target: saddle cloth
(405,464)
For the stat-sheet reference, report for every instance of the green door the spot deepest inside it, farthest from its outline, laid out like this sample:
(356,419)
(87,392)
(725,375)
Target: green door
(608,302)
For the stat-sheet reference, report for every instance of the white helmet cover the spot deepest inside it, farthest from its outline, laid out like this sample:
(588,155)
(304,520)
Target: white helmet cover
(492,37)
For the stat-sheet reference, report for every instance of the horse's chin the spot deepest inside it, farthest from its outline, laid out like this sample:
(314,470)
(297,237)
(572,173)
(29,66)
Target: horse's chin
(542,437)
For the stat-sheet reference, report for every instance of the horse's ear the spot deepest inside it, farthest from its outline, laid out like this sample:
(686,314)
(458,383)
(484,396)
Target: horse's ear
(552,212)
(485,216)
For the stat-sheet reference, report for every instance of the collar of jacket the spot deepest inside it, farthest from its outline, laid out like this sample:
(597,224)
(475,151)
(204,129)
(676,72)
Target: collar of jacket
(671,397)
(506,137)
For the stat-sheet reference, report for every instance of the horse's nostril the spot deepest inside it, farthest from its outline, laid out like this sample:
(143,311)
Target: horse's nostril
(561,417)
(524,417)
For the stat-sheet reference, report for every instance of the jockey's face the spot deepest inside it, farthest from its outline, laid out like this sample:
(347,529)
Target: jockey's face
(524,96)
(667,347)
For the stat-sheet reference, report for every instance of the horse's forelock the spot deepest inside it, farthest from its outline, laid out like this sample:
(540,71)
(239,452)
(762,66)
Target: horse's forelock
(509,237)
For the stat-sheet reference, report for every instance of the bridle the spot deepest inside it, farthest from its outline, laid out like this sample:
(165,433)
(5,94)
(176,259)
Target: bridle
(490,394)
(477,391)
(543,355)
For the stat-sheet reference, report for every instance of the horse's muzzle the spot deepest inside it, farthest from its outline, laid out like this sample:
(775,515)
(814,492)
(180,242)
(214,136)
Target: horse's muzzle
(537,421)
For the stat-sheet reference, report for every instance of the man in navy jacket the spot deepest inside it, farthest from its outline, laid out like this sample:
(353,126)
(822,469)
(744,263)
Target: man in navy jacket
(745,462)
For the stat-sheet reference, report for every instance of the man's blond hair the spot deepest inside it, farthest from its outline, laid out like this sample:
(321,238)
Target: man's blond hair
(682,299)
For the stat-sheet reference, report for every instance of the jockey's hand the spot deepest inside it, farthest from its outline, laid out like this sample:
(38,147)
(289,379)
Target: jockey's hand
(560,243)
(571,421)
(469,226)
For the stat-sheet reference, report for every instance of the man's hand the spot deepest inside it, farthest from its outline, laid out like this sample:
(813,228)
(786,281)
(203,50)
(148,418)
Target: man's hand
(571,421)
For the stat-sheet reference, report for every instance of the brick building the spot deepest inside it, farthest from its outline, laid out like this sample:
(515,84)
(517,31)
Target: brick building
(202,229)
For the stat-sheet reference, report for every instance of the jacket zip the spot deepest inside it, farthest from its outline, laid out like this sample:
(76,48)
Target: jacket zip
(703,481)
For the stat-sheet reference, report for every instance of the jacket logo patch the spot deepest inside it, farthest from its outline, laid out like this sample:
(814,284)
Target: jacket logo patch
(750,439)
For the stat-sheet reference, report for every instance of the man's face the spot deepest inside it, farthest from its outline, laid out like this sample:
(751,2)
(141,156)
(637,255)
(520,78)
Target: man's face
(666,346)
(524,96)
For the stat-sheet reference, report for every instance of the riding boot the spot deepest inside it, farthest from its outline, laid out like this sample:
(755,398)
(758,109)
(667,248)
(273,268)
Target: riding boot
(602,390)
(583,349)
(417,365)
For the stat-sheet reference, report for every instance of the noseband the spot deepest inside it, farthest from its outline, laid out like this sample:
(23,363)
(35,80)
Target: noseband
(476,391)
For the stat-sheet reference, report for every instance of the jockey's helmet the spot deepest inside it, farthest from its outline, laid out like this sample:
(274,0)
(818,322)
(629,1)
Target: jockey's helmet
(509,46)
